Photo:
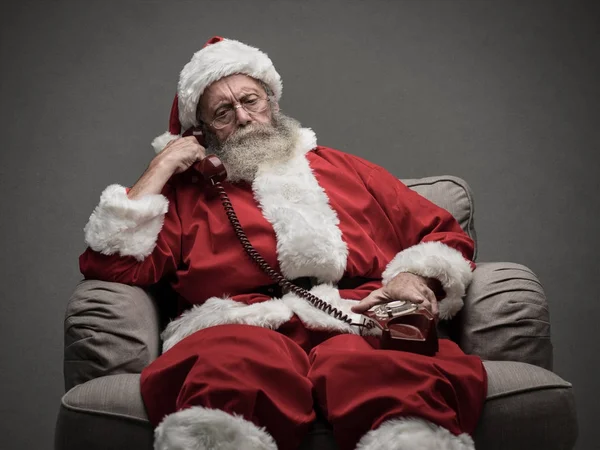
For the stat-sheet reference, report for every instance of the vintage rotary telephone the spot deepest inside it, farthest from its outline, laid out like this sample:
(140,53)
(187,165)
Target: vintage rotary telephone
(403,325)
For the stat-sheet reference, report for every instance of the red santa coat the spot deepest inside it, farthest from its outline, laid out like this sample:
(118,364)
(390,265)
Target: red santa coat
(323,214)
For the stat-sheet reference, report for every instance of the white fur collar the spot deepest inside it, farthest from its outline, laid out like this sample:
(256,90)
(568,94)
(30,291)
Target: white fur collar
(309,241)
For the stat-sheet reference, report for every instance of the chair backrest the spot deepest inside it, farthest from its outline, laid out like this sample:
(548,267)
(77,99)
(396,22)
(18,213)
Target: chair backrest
(451,193)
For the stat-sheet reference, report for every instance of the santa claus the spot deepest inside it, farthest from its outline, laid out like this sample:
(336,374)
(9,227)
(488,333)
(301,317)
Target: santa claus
(247,365)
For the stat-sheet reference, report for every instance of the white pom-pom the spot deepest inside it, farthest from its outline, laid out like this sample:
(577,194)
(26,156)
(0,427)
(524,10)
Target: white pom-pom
(160,142)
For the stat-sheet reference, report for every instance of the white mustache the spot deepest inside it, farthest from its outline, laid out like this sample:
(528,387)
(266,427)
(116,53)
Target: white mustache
(252,130)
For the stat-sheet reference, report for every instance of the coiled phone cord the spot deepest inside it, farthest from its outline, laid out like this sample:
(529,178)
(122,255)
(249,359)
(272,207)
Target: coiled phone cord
(273,274)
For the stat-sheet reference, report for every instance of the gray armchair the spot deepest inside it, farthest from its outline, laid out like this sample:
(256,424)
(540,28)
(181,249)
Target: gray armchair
(112,333)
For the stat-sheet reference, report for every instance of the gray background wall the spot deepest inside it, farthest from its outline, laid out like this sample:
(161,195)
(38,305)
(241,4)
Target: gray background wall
(504,94)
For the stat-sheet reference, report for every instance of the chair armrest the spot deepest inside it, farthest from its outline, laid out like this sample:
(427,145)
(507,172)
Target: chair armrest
(505,316)
(110,328)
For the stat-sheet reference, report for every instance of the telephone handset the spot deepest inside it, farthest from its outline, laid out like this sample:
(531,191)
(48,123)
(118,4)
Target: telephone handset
(403,326)
(211,168)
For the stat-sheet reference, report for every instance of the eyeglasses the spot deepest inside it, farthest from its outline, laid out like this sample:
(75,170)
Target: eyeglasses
(252,104)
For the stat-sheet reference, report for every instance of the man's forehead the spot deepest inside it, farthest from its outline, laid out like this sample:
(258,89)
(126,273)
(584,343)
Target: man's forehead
(221,89)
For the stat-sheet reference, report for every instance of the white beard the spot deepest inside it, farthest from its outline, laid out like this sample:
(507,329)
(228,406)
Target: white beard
(256,145)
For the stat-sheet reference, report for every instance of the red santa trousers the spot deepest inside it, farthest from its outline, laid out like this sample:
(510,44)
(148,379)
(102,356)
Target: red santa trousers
(274,378)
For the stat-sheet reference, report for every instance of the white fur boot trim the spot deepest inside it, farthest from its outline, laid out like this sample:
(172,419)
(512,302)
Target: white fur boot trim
(198,428)
(413,433)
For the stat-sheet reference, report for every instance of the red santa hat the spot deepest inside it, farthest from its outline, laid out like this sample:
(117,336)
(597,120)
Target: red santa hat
(217,59)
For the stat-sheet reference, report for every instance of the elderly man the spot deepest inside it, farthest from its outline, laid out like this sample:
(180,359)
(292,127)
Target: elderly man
(246,365)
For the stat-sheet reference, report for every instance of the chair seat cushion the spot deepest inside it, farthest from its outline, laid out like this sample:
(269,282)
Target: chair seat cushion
(527,407)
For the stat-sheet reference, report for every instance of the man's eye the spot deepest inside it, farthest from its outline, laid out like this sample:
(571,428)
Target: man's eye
(222,113)
(251,100)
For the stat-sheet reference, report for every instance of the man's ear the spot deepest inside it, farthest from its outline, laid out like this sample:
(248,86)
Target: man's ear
(275,107)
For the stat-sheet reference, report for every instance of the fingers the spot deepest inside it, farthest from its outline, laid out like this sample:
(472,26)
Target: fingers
(374,298)
(184,142)
(201,152)
(414,288)
(192,145)
(408,287)
(429,301)
(423,296)
(183,152)
(432,300)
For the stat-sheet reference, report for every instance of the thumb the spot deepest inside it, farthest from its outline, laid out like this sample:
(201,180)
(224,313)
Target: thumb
(374,298)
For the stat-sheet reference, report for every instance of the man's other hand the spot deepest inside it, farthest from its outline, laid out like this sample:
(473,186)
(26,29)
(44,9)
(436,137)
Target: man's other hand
(404,286)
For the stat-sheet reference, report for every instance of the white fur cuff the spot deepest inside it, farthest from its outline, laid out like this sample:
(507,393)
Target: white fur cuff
(435,260)
(210,429)
(125,226)
(413,434)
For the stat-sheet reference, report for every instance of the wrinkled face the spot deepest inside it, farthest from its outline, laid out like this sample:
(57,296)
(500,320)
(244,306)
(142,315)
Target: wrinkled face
(227,96)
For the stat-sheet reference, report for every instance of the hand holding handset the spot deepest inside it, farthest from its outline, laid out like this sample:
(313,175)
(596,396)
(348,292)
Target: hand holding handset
(403,326)
(211,168)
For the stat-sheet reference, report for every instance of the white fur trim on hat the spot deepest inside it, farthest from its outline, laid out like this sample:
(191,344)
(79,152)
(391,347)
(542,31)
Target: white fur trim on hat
(125,226)
(435,260)
(413,433)
(216,61)
(210,429)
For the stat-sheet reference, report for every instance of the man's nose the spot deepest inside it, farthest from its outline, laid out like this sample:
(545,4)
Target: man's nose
(241,116)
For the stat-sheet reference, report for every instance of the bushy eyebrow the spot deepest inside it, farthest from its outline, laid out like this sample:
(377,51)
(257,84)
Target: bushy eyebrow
(245,93)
